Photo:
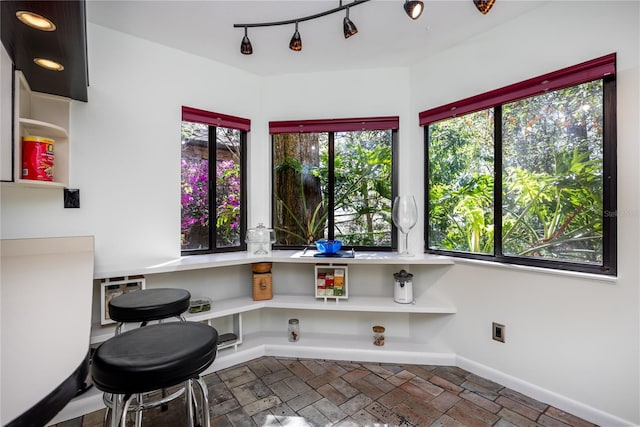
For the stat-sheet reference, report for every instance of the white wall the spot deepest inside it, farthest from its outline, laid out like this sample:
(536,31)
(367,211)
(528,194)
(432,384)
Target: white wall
(360,93)
(577,337)
(125,150)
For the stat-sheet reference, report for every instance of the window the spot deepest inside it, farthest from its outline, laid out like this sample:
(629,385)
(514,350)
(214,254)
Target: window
(222,139)
(526,174)
(334,179)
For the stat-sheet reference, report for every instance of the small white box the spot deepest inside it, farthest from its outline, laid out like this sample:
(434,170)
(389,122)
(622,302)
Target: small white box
(327,276)
(112,287)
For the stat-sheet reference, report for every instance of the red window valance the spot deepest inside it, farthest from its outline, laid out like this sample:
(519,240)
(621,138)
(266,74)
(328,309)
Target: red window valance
(210,118)
(570,76)
(334,125)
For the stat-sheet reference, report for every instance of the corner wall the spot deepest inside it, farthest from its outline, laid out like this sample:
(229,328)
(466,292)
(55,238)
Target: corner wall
(573,340)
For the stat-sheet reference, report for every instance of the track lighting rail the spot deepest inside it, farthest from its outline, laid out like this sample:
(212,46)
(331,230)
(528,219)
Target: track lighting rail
(413,8)
(305,18)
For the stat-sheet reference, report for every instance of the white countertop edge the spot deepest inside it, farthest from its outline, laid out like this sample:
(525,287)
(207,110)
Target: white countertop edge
(552,271)
(194,262)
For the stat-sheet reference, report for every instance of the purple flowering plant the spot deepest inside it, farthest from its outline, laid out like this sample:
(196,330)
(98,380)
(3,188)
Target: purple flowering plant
(195,203)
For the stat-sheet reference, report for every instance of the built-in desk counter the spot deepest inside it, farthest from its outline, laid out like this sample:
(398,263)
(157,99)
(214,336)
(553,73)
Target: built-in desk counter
(194,262)
(262,318)
(46,319)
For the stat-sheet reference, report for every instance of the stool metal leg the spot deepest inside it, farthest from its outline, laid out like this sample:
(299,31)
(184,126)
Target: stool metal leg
(120,405)
(106,412)
(125,409)
(204,392)
(113,404)
(139,408)
(188,391)
(194,400)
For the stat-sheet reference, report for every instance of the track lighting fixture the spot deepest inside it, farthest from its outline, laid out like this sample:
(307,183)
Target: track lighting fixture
(245,46)
(414,8)
(348,26)
(296,41)
(484,5)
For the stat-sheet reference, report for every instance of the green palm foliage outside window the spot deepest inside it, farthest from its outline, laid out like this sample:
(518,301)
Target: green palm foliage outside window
(334,185)
(551,199)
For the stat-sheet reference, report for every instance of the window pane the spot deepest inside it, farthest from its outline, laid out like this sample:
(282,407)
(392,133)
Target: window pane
(362,194)
(228,185)
(195,186)
(300,187)
(461,169)
(552,175)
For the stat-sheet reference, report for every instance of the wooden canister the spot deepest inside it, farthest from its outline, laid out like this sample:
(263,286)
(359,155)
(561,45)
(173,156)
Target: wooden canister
(262,281)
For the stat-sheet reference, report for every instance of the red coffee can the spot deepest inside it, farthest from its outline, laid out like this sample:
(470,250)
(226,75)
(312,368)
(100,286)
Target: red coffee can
(37,158)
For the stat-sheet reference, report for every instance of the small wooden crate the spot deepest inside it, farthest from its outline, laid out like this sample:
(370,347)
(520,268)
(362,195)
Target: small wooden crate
(262,286)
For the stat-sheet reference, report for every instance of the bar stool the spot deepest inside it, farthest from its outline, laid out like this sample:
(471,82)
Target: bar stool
(144,306)
(147,305)
(152,358)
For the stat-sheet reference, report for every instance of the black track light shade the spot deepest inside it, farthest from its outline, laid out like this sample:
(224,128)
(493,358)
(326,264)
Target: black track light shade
(484,5)
(296,41)
(348,26)
(245,46)
(413,8)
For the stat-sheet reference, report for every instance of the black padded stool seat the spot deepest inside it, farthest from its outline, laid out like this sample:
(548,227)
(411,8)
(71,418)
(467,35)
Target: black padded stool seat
(154,357)
(149,304)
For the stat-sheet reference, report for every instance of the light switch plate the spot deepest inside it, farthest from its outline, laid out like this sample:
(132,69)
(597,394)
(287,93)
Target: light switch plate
(71,198)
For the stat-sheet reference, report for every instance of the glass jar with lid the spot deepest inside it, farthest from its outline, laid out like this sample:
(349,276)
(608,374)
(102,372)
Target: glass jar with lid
(258,237)
(294,330)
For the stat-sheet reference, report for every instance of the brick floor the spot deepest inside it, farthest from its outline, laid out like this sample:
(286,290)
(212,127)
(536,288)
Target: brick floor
(272,391)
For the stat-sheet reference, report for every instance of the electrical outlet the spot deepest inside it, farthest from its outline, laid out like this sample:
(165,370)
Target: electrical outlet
(498,331)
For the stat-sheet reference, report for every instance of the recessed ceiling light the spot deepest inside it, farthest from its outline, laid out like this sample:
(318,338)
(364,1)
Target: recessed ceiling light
(49,64)
(36,21)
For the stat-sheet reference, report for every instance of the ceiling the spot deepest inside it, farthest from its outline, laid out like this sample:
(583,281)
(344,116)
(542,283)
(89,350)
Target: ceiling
(387,37)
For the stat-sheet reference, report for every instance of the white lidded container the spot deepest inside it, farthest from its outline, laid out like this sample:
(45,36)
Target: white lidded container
(403,287)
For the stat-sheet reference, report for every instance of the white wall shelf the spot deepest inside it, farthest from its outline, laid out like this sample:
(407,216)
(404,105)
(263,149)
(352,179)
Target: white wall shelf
(359,303)
(39,114)
(31,126)
(196,262)
(232,306)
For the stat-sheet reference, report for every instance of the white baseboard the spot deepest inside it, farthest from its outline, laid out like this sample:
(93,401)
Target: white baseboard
(549,397)
(360,355)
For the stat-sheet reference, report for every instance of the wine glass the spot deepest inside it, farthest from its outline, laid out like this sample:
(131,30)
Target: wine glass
(405,217)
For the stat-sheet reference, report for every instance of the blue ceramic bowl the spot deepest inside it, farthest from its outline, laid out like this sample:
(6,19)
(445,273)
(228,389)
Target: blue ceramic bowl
(328,246)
